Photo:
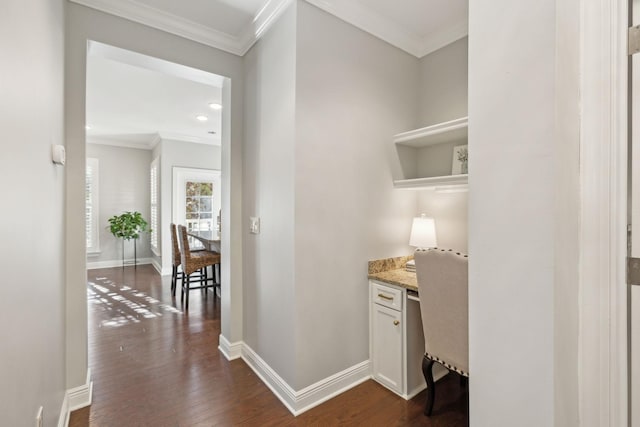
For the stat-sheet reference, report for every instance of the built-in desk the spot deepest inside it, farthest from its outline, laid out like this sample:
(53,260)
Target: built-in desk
(396,340)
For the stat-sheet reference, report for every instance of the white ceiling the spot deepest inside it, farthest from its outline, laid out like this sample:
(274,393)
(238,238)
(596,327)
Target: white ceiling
(134,100)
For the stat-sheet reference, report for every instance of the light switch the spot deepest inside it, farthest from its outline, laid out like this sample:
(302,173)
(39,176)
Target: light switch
(254,225)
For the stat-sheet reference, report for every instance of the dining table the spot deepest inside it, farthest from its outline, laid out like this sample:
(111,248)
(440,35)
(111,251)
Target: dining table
(209,238)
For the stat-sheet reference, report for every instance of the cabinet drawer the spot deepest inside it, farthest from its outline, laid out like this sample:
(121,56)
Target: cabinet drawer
(387,296)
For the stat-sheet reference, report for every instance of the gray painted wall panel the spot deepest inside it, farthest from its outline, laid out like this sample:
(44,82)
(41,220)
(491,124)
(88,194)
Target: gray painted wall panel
(32,222)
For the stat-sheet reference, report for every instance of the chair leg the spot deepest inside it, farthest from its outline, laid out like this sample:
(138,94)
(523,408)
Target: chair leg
(182,287)
(174,279)
(218,272)
(187,282)
(427,371)
(214,280)
(464,381)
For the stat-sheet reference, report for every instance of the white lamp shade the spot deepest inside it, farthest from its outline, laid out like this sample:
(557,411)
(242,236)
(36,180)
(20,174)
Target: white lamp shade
(423,233)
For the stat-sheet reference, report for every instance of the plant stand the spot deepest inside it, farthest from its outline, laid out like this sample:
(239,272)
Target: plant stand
(135,253)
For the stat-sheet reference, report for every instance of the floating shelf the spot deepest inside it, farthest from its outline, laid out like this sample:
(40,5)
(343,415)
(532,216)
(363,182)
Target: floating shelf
(450,183)
(437,134)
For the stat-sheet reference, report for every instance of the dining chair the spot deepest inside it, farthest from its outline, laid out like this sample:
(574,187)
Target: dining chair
(192,262)
(443,289)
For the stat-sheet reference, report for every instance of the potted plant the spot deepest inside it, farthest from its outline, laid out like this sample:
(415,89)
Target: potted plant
(128,226)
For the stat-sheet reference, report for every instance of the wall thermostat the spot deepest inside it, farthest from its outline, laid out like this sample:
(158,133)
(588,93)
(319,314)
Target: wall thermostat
(58,154)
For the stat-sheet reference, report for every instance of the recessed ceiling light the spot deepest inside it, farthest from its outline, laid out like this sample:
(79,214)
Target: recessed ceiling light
(215,106)
(202,118)
(87,127)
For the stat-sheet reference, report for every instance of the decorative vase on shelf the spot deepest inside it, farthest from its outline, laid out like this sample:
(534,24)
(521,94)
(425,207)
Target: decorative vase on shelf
(464,167)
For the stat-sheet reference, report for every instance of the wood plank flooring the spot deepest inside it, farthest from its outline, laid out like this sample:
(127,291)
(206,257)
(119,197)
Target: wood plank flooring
(154,365)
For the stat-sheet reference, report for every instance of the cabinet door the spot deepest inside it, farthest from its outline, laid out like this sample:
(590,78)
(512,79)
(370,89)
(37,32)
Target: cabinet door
(387,347)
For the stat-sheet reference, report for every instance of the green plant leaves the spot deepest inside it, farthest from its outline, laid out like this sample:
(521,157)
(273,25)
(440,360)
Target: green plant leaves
(128,226)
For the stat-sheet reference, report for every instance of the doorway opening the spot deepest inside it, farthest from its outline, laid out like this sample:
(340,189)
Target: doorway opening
(146,117)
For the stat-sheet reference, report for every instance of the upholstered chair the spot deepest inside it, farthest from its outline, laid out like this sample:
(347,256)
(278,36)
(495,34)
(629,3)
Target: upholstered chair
(443,289)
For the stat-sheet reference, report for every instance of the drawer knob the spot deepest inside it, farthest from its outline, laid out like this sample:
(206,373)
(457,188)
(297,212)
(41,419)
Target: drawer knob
(387,297)
(396,322)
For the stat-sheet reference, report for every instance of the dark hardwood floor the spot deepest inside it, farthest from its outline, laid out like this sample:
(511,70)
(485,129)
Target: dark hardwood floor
(154,365)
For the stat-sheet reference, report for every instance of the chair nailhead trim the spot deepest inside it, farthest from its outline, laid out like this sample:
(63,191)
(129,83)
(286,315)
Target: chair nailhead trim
(446,365)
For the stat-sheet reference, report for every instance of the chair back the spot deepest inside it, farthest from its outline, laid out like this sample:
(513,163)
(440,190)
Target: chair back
(185,252)
(443,277)
(175,249)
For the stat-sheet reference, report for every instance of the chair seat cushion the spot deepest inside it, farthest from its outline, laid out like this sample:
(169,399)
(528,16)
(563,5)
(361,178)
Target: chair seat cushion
(207,257)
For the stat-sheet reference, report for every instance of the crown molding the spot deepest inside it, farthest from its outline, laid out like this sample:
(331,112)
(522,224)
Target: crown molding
(353,13)
(140,143)
(443,38)
(263,20)
(155,18)
(365,19)
(213,140)
(377,25)
(125,141)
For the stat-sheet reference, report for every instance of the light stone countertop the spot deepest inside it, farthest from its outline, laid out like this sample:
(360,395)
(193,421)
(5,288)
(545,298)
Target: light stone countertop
(391,271)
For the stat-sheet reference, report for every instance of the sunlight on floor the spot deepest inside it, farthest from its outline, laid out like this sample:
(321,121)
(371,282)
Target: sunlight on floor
(133,305)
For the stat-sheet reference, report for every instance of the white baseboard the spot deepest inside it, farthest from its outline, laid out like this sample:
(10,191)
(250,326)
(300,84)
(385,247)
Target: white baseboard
(230,351)
(117,263)
(156,265)
(65,414)
(300,401)
(75,398)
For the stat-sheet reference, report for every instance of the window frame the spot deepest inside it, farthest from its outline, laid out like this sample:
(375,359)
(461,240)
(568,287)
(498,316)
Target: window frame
(154,202)
(92,202)
(178,203)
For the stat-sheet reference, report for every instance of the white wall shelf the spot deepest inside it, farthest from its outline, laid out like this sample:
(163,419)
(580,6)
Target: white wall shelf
(435,134)
(450,183)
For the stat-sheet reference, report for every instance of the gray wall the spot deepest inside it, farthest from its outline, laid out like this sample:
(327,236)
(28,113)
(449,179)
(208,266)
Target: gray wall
(123,186)
(268,259)
(354,92)
(523,291)
(443,84)
(32,298)
(566,210)
(182,154)
(443,97)
(318,171)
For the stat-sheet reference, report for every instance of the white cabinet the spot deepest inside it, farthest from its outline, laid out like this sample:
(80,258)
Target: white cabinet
(426,155)
(386,357)
(396,339)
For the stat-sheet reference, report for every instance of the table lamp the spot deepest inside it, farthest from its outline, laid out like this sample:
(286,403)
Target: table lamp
(423,233)
(423,236)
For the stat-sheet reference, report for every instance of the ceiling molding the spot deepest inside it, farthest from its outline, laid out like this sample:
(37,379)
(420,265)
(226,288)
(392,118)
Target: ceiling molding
(212,140)
(263,20)
(377,25)
(155,18)
(444,38)
(141,142)
(125,141)
(351,12)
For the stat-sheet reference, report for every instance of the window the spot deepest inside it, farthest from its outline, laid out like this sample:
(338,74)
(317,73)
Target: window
(154,183)
(196,199)
(199,205)
(91,206)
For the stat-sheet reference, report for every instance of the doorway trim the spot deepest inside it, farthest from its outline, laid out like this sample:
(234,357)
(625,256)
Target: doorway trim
(602,337)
